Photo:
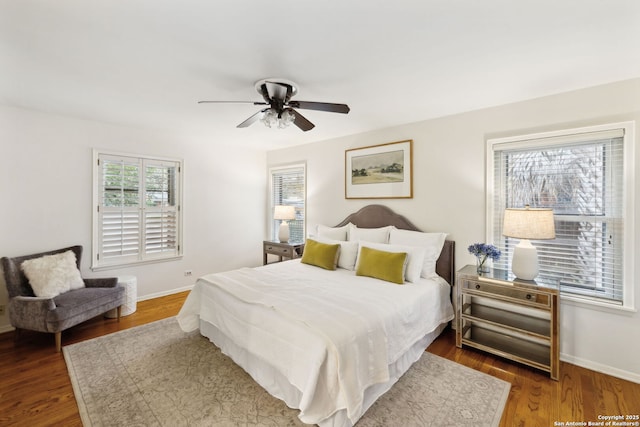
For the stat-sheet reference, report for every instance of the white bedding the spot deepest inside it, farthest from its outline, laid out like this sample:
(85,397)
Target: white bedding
(331,334)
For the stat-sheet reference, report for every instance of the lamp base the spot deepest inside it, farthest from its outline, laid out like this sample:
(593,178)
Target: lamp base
(283,232)
(525,260)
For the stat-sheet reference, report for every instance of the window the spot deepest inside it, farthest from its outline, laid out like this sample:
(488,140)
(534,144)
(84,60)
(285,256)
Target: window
(137,205)
(585,176)
(288,188)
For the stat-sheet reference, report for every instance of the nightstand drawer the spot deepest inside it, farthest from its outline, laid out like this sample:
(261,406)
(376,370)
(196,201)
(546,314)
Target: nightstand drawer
(527,296)
(278,250)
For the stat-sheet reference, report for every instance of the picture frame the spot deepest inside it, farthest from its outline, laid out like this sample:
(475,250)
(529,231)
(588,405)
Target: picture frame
(383,171)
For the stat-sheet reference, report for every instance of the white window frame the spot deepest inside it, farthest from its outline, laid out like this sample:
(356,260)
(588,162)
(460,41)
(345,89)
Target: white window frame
(273,229)
(552,138)
(100,262)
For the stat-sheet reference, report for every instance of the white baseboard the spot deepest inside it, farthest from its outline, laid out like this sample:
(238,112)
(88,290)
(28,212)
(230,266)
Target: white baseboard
(165,293)
(6,328)
(598,367)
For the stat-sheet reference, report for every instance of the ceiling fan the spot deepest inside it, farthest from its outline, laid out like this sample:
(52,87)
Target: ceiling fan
(281,110)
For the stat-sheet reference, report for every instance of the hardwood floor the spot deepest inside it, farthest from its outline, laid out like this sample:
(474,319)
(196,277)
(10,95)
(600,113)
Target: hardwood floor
(35,389)
(535,400)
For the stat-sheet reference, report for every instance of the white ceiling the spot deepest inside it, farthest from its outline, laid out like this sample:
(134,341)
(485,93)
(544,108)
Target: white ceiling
(146,63)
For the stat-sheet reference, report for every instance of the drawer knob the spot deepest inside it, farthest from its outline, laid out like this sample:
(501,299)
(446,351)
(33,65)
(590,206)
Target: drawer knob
(477,286)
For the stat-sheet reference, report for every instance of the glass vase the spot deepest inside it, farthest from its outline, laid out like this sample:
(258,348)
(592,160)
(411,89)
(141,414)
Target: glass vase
(481,266)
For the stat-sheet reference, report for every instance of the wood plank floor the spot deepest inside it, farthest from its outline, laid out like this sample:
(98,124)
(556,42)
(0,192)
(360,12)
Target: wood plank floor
(35,389)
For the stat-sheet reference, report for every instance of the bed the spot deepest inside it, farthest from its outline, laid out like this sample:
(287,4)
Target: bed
(330,342)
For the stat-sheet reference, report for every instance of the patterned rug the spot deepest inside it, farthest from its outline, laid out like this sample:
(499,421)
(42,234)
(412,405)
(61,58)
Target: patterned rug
(156,375)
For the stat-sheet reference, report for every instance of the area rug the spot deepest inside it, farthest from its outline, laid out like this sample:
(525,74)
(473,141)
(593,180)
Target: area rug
(157,375)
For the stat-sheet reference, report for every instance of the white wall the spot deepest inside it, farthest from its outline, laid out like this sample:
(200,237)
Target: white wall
(449,195)
(46,192)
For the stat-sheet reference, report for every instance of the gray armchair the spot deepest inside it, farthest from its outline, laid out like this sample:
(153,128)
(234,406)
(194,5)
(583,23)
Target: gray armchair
(54,315)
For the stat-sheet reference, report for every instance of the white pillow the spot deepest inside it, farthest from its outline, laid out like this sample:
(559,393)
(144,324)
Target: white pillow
(334,233)
(52,275)
(374,235)
(415,257)
(348,252)
(432,242)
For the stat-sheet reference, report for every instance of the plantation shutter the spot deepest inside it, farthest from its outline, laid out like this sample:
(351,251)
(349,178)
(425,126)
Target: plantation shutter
(288,189)
(119,210)
(581,177)
(138,209)
(160,211)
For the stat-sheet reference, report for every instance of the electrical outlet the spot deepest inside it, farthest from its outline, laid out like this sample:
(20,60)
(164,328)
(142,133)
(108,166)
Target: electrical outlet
(1,310)
(188,273)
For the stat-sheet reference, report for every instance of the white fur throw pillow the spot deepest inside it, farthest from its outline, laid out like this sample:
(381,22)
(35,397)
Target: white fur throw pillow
(53,275)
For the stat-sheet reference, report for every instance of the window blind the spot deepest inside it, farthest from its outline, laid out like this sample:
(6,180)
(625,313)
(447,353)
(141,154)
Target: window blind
(138,210)
(581,177)
(288,189)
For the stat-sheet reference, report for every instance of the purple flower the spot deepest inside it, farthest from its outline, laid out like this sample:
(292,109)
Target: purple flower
(483,251)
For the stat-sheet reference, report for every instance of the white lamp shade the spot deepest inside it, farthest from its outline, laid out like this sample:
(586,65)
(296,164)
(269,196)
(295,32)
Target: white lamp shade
(533,224)
(284,212)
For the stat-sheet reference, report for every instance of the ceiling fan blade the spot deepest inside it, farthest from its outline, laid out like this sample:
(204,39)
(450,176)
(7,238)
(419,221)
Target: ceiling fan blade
(287,96)
(251,120)
(265,93)
(278,91)
(232,102)
(288,90)
(321,106)
(301,121)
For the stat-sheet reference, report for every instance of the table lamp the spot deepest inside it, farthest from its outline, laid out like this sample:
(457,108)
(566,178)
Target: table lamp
(526,224)
(284,213)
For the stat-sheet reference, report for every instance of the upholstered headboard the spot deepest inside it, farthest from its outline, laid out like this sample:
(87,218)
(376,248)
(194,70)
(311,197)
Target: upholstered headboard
(373,216)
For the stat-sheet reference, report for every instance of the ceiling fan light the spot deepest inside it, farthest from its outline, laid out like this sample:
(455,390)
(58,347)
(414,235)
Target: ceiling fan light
(270,118)
(287,117)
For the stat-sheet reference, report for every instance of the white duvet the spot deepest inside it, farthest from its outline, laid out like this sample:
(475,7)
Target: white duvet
(330,333)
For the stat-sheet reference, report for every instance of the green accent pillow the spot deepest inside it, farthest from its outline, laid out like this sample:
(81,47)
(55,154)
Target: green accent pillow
(382,265)
(321,254)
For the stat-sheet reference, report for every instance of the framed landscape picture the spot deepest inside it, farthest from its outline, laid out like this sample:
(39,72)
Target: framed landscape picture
(379,171)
